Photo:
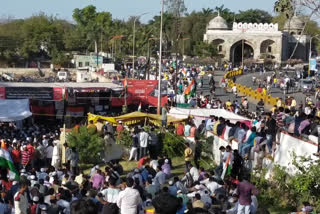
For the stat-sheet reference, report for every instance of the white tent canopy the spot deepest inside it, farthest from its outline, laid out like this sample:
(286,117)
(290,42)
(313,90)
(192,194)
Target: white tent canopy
(14,110)
(202,114)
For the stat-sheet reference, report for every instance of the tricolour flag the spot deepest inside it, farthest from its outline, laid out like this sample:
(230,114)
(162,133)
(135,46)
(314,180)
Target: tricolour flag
(226,167)
(190,89)
(139,108)
(6,162)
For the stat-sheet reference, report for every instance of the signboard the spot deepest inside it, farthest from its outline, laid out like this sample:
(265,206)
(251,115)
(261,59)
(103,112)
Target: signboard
(57,93)
(313,64)
(29,93)
(2,93)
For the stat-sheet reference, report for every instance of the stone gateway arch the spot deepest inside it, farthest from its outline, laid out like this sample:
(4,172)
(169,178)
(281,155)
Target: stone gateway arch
(257,40)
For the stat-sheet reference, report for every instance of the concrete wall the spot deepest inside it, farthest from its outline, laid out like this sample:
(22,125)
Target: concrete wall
(101,78)
(283,155)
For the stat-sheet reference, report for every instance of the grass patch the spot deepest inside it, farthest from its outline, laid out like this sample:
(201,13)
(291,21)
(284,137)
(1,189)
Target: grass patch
(177,170)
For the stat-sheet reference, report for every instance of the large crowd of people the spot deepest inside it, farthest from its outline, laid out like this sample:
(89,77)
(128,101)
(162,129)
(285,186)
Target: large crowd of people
(46,185)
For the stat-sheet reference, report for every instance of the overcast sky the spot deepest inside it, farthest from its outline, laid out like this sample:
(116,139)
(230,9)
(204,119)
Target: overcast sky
(121,9)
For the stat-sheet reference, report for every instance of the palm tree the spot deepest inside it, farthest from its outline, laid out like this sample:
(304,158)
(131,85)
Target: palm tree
(285,7)
(207,11)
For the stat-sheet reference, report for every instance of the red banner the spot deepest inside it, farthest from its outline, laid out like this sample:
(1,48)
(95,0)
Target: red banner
(57,93)
(2,93)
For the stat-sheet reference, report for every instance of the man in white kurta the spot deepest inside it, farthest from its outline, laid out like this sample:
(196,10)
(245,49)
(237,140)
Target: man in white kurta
(56,158)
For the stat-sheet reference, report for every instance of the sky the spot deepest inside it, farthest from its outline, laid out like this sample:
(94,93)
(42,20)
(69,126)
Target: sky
(120,9)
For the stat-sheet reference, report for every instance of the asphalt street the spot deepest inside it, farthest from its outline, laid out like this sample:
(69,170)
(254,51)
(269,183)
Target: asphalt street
(220,92)
(246,80)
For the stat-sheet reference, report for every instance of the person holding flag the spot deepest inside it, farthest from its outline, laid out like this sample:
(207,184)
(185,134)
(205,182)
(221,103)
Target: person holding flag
(191,89)
(7,163)
(227,162)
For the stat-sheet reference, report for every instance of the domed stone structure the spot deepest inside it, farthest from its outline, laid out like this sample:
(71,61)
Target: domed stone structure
(257,41)
(217,23)
(294,25)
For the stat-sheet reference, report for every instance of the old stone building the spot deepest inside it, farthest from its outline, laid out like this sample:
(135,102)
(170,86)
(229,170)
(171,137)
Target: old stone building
(257,40)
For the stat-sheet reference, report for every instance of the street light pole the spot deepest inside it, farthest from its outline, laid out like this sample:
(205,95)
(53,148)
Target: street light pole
(310,53)
(160,59)
(134,38)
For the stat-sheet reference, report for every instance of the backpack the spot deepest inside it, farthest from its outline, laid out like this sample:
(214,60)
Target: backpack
(189,180)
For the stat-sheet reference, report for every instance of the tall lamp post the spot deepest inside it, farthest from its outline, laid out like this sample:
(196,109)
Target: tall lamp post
(183,40)
(134,37)
(160,60)
(310,52)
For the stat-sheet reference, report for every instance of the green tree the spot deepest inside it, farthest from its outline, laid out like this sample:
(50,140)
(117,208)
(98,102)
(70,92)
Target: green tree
(88,145)
(254,15)
(92,24)
(285,7)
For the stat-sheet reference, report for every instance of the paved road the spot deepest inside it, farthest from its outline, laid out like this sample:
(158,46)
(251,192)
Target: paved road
(275,92)
(220,93)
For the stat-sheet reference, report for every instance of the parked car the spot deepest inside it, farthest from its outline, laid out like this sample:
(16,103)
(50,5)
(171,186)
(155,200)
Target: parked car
(306,85)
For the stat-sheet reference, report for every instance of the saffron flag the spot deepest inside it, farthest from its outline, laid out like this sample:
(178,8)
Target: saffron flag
(190,89)
(125,82)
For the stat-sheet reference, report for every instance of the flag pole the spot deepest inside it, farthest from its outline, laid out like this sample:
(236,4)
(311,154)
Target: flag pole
(160,59)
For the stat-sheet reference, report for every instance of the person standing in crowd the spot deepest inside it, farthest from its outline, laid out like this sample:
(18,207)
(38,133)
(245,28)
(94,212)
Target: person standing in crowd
(21,200)
(180,129)
(143,143)
(245,191)
(164,116)
(135,146)
(74,160)
(16,156)
(48,153)
(119,128)
(129,199)
(108,128)
(56,155)
(154,144)
(188,153)
(187,128)
(68,152)
(270,129)
(197,153)
(25,157)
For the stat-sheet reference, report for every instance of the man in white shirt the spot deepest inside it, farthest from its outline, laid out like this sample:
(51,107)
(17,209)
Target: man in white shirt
(21,201)
(194,172)
(111,193)
(213,185)
(143,141)
(129,199)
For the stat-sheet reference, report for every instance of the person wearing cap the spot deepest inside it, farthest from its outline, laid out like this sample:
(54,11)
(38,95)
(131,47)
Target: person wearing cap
(108,128)
(166,168)
(16,156)
(172,188)
(34,205)
(56,154)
